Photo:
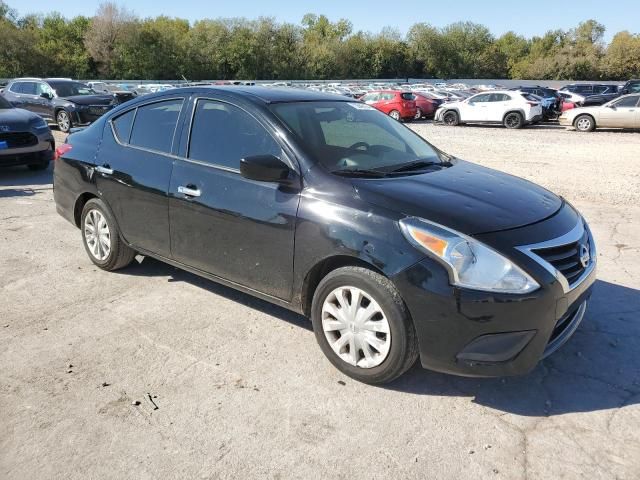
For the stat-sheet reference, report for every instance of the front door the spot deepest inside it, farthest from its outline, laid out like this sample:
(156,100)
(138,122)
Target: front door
(222,223)
(476,108)
(133,171)
(622,113)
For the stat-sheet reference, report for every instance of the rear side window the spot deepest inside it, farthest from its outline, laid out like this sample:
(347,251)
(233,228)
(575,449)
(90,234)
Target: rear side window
(122,126)
(407,96)
(155,125)
(222,134)
(499,97)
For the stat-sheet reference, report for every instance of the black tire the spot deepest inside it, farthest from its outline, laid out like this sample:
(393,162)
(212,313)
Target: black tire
(38,166)
(513,120)
(451,118)
(120,254)
(63,119)
(584,123)
(403,350)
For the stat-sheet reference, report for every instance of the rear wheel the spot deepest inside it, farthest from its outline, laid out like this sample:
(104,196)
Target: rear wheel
(395,114)
(63,119)
(513,120)
(101,237)
(418,115)
(451,118)
(585,123)
(363,326)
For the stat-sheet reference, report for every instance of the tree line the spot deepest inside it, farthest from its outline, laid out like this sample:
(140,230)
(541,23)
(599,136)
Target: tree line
(116,44)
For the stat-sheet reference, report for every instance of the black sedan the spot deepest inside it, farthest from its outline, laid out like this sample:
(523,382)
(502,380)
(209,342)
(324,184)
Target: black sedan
(25,138)
(66,102)
(325,206)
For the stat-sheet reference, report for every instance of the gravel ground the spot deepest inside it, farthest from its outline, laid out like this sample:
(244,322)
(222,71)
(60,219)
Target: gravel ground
(243,391)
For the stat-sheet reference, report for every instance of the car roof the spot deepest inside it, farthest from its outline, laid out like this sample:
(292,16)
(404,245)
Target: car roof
(269,95)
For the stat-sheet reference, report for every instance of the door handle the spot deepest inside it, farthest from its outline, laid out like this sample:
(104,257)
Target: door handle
(104,169)
(189,191)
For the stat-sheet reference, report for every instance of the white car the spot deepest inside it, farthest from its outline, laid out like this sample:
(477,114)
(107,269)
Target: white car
(511,109)
(572,97)
(622,112)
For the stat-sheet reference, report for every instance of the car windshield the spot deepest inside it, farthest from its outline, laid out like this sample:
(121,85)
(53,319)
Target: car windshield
(354,137)
(4,104)
(70,89)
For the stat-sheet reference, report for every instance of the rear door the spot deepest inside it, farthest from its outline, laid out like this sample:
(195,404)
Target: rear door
(222,223)
(133,171)
(496,106)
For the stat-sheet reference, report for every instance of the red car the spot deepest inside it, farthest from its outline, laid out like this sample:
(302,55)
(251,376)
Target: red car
(398,105)
(426,105)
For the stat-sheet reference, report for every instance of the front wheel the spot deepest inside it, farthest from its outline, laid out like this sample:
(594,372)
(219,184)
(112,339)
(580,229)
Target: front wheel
(63,119)
(451,118)
(101,237)
(363,326)
(513,120)
(585,123)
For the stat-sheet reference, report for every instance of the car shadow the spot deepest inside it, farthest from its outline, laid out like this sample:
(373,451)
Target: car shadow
(21,176)
(596,370)
(150,267)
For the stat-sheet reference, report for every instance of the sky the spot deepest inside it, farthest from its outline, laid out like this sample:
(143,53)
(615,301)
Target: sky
(533,17)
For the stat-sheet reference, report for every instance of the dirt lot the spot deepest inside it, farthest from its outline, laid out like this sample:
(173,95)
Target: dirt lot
(242,389)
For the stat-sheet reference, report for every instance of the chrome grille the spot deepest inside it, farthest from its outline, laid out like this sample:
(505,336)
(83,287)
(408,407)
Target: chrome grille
(568,259)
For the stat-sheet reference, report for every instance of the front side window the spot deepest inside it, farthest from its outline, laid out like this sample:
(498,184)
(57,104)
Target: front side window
(71,89)
(628,102)
(223,134)
(155,125)
(484,97)
(347,136)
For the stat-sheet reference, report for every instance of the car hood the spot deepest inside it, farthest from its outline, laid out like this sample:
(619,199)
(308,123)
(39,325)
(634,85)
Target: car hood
(16,119)
(90,99)
(466,197)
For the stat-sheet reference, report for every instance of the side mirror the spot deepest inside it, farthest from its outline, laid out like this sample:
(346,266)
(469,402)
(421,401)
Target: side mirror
(266,168)
(46,95)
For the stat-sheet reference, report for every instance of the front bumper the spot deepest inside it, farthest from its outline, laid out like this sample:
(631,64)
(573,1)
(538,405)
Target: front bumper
(88,115)
(565,121)
(42,152)
(484,334)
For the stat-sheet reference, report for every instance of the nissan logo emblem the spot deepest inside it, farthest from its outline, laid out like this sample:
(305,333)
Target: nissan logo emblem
(584,256)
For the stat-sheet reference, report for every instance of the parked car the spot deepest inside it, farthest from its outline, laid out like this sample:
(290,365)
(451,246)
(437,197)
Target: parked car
(25,138)
(65,102)
(571,97)
(594,94)
(399,105)
(325,206)
(632,86)
(623,112)
(551,100)
(122,94)
(511,109)
(426,105)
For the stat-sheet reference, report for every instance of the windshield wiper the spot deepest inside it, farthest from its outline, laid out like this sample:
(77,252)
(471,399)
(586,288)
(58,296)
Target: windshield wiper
(360,172)
(415,165)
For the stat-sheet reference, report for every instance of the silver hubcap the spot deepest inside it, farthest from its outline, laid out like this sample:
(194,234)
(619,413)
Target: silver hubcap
(356,327)
(63,120)
(584,124)
(395,115)
(418,114)
(97,235)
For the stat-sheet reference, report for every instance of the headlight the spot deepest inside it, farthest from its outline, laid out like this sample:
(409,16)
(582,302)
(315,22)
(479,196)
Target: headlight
(38,123)
(471,264)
